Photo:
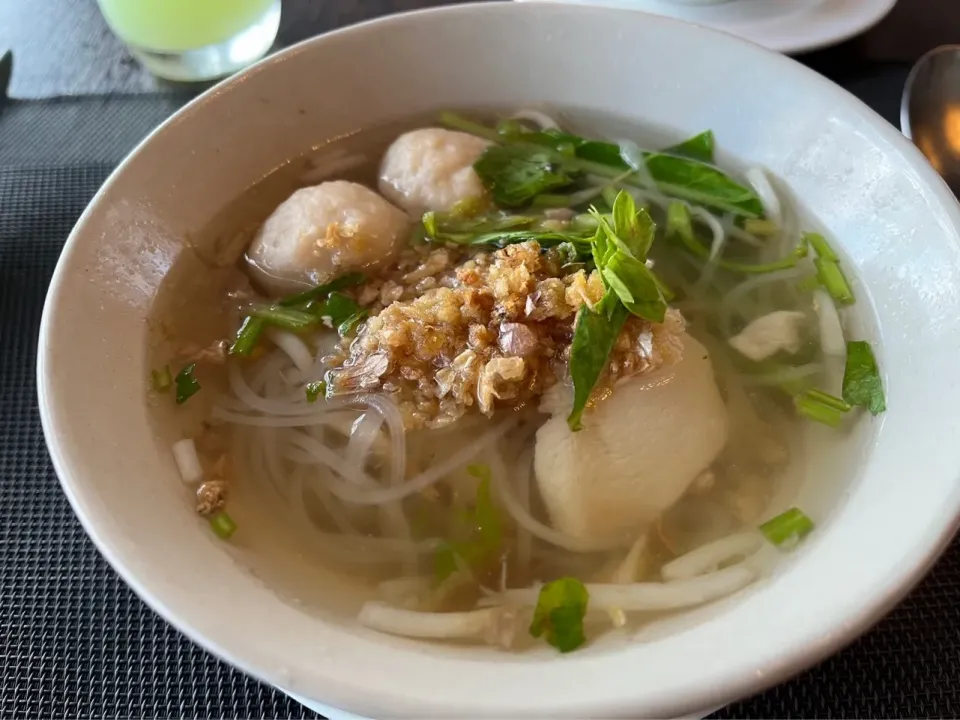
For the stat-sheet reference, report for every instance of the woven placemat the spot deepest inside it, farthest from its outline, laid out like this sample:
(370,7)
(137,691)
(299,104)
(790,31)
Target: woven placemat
(76,642)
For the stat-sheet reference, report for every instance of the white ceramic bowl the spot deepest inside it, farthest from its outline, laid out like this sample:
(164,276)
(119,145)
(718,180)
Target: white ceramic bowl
(895,220)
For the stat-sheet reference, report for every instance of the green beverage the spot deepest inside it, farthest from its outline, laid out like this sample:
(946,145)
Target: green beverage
(194,39)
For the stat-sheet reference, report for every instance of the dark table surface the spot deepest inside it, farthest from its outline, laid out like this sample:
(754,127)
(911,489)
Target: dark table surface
(63,48)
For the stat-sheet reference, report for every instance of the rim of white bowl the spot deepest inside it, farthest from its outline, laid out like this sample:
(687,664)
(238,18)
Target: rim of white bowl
(736,680)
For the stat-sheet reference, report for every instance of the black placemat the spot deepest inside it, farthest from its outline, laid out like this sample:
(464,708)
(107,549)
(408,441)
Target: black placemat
(75,642)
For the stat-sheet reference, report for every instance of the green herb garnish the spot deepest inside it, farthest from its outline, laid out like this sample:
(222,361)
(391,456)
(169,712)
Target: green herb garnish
(458,122)
(675,171)
(808,284)
(447,227)
(821,407)
(469,207)
(515,175)
(341,311)
(187,385)
(829,273)
(760,227)
(676,175)
(549,200)
(484,531)
(223,525)
(161,379)
(285,318)
(632,226)
(833,279)
(680,229)
(288,314)
(349,325)
(619,252)
(558,616)
(593,340)
(788,525)
(699,147)
(499,231)
(321,291)
(821,247)
(247,336)
(315,390)
(861,378)
(636,286)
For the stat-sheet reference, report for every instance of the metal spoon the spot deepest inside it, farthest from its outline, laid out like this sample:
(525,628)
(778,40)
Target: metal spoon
(930,111)
(6,70)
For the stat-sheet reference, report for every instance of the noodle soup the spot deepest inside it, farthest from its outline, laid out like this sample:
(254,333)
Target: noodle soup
(526,381)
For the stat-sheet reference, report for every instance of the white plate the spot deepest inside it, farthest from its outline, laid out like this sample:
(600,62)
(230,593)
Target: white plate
(787,26)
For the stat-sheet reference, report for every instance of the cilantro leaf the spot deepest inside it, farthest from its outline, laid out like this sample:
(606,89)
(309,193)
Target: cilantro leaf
(861,378)
(516,175)
(558,617)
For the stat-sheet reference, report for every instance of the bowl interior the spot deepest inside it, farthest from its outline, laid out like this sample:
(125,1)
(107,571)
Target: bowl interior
(889,497)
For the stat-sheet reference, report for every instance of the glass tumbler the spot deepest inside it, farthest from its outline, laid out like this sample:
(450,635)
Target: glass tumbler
(194,40)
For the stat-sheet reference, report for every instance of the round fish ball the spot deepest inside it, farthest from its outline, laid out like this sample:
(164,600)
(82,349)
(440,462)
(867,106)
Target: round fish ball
(431,169)
(608,482)
(322,232)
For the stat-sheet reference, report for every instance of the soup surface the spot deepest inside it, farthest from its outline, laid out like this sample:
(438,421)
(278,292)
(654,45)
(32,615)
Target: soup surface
(526,378)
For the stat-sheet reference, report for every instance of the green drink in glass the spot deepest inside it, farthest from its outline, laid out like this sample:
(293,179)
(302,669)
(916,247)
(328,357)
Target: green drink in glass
(194,39)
